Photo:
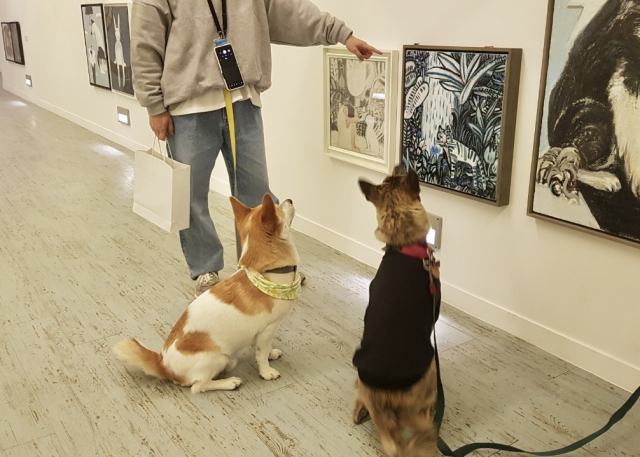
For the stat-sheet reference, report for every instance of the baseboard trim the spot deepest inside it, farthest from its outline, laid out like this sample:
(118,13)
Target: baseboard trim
(91,126)
(220,186)
(605,366)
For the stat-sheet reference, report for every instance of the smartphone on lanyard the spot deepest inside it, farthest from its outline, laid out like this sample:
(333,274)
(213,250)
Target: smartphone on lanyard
(224,51)
(228,65)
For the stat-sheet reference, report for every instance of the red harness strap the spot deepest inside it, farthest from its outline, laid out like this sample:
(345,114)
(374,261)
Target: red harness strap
(422,251)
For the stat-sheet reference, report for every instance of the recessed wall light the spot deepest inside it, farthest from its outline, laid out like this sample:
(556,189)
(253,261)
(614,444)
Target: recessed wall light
(123,115)
(434,237)
(27,80)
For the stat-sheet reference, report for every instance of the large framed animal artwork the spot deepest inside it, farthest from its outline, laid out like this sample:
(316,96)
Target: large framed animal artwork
(459,110)
(95,45)
(586,161)
(360,101)
(119,48)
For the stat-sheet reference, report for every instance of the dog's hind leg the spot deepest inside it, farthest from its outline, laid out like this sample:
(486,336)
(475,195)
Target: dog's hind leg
(424,442)
(360,412)
(208,366)
(389,431)
(231,364)
(217,384)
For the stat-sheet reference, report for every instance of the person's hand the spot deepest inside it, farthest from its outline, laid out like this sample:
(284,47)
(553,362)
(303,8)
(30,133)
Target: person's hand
(361,49)
(162,125)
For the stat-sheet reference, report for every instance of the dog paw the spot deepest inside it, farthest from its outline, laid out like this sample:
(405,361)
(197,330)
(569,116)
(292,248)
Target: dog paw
(611,183)
(559,168)
(275,354)
(360,415)
(231,383)
(269,374)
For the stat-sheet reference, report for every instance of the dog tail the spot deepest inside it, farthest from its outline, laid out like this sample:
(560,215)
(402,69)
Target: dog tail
(131,352)
(424,443)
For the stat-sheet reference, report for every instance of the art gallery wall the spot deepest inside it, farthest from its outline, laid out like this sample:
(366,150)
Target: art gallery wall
(572,294)
(54,50)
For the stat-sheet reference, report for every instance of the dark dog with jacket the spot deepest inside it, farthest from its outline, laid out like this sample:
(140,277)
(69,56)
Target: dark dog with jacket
(396,383)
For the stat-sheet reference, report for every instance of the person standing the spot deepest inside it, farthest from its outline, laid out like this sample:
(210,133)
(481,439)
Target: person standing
(177,79)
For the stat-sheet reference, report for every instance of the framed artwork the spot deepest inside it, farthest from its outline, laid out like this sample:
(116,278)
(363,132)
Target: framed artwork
(585,170)
(95,47)
(16,40)
(7,41)
(360,108)
(119,47)
(458,123)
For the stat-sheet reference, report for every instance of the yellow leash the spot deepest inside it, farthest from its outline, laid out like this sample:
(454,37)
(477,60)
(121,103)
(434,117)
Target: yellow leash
(232,134)
(232,126)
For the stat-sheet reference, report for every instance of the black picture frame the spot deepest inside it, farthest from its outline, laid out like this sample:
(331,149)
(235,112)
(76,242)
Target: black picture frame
(16,36)
(95,45)
(12,42)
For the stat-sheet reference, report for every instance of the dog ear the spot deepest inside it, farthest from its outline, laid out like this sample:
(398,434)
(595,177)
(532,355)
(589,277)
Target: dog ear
(413,183)
(399,170)
(269,214)
(239,210)
(369,190)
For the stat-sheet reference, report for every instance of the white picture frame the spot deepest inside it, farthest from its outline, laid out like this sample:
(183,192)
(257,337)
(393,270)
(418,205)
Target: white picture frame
(360,108)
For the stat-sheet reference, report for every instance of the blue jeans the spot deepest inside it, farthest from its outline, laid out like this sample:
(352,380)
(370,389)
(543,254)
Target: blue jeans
(197,141)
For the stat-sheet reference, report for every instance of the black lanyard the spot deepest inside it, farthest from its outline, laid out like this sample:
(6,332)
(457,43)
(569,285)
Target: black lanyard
(222,32)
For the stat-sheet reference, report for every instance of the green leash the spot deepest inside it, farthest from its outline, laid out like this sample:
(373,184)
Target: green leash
(467,449)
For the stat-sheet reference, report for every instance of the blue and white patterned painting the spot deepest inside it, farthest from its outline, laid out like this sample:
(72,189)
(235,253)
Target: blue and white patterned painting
(452,118)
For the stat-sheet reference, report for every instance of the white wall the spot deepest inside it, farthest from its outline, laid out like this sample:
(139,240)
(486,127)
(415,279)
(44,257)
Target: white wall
(572,294)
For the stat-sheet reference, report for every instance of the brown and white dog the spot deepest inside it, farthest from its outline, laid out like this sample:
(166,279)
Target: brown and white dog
(396,382)
(235,313)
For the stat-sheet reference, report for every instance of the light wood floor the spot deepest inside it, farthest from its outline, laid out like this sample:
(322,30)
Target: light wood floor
(79,271)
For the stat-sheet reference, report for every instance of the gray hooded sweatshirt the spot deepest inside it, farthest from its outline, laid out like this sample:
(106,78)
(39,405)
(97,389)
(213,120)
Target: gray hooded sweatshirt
(172,44)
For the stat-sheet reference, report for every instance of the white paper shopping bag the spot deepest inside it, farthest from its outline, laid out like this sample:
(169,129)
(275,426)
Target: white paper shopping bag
(162,190)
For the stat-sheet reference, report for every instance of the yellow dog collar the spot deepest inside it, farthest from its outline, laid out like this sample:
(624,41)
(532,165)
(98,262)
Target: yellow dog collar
(289,291)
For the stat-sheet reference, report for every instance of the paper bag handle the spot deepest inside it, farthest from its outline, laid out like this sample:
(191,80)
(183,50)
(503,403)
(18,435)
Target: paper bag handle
(167,148)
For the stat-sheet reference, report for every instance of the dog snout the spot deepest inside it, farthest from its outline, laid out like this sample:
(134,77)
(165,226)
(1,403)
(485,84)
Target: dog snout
(289,201)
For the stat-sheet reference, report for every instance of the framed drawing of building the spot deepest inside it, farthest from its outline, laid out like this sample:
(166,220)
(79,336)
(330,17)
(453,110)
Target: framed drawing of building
(458,118)
(360,108)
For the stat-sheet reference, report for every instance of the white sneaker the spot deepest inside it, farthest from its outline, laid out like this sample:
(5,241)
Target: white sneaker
(206,282)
